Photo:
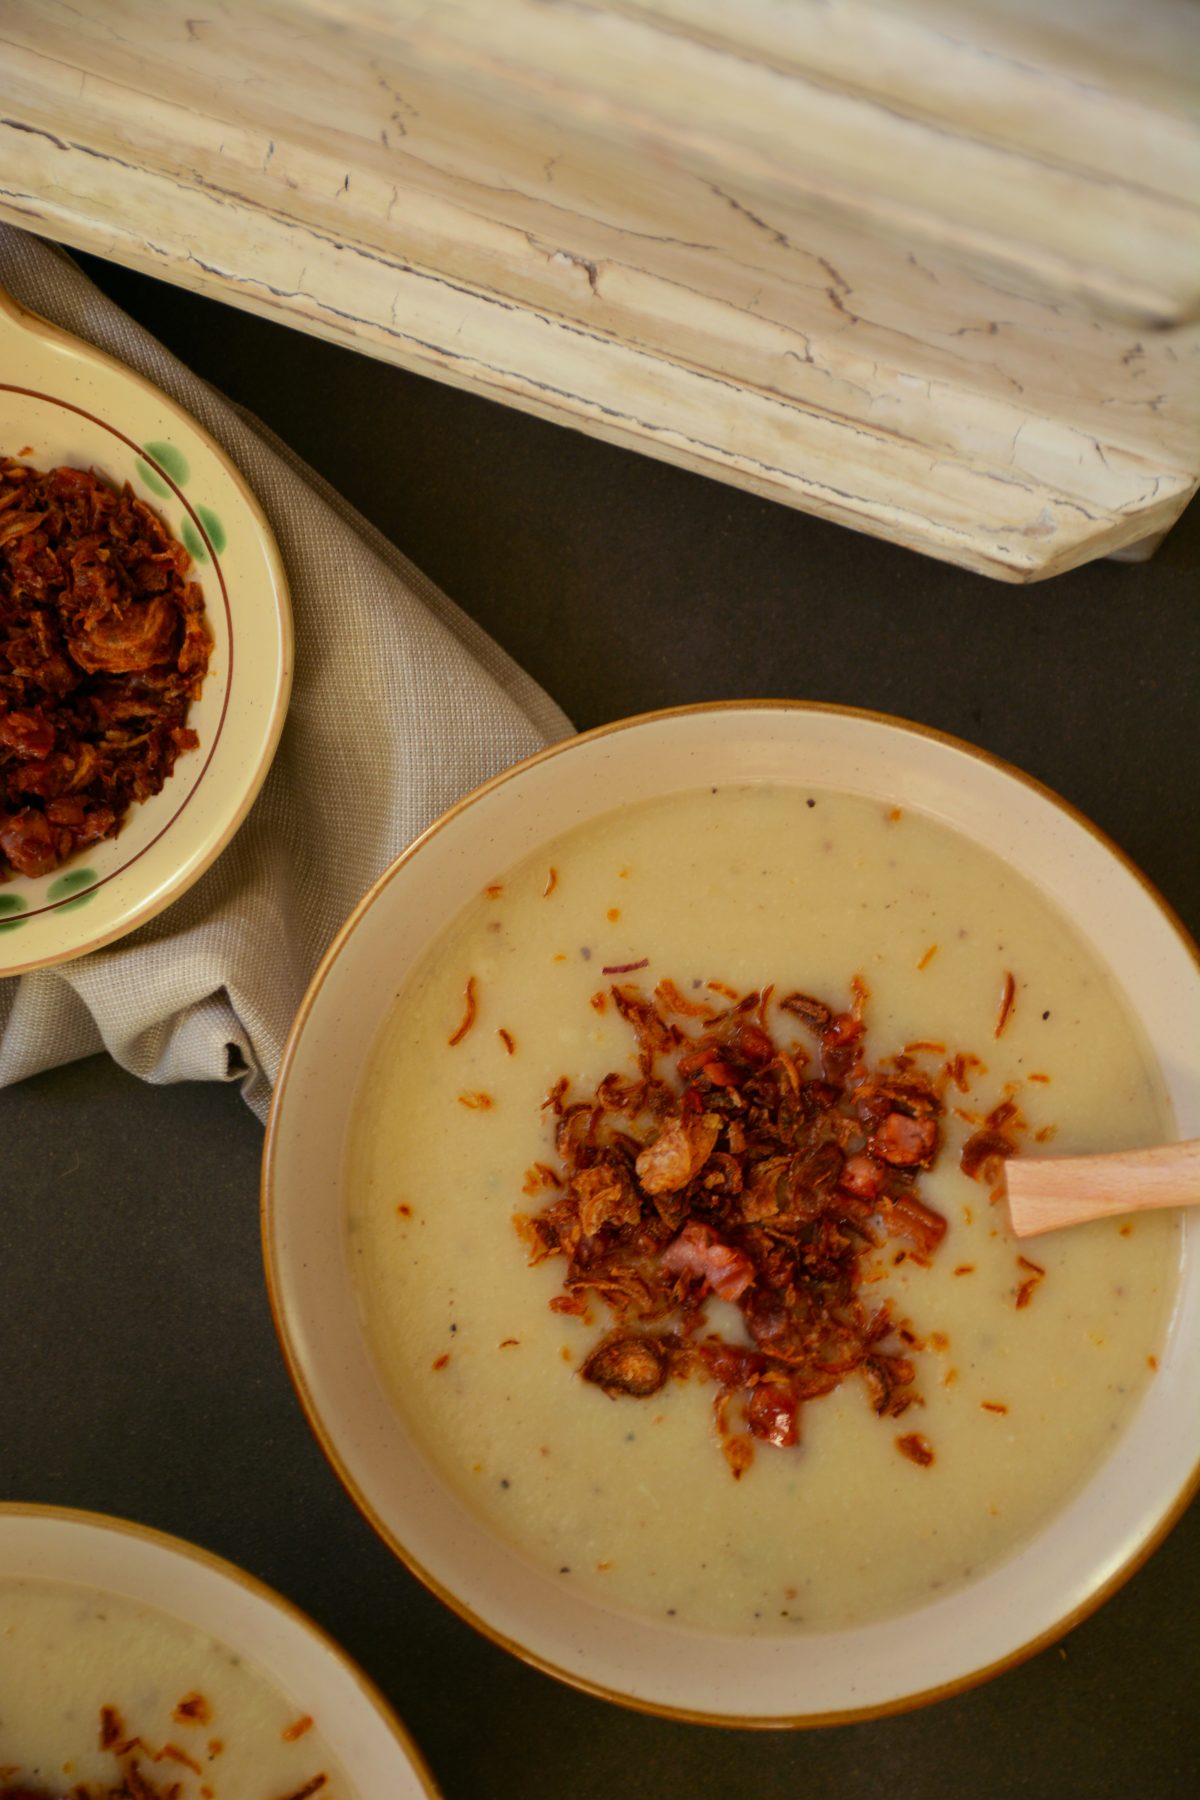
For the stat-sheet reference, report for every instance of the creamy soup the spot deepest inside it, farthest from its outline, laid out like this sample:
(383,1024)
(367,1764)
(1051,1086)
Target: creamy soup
(631,1499)
(79,1666)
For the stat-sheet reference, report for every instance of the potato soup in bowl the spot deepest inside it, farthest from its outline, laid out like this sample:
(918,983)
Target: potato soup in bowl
(99,1689)
(135,1663)
(711,866)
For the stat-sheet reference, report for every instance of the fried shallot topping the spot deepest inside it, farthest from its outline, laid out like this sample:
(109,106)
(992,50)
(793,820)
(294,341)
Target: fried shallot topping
(628,1363)
(985,1151)
(103,647)
(737,1166)
(131,1780)
(1025,1288)
(471,1006)
(133,1784)
(193,1709)
(916,1448)
(1008,995)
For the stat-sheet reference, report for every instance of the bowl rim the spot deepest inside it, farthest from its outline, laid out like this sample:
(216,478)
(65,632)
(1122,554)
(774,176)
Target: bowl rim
(119,1526)
(141,913)
(1074,1616)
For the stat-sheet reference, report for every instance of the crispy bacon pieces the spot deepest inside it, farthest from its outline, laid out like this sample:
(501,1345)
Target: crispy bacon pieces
(773,1413)
(103,647)
(736,1166)
(905,1142)
(698,1252)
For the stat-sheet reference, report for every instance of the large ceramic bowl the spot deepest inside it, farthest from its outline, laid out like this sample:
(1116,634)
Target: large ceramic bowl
(1087,1548)
(93,1552)
(63,402)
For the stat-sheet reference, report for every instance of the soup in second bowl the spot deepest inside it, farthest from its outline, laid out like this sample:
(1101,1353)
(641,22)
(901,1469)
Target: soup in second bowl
(113,1697)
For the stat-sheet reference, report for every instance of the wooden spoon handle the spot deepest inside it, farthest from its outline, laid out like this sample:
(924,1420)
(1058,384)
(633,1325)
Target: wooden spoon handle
(1047,1192)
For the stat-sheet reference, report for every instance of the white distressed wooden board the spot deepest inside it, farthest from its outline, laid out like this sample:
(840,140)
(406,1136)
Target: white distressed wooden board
(837,254)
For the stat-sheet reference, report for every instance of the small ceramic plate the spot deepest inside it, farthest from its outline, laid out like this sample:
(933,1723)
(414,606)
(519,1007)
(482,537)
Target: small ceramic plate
(95,1553)
(63,402)
(1040,1589)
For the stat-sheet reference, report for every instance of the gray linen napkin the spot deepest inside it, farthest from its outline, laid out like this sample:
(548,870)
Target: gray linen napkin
(401,705)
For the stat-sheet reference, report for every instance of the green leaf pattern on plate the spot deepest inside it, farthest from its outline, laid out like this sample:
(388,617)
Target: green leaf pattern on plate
(177,467)
(193,542)
(10,905)
(152,480)
(213,526)
(68,891)
(172,460)
(67,886)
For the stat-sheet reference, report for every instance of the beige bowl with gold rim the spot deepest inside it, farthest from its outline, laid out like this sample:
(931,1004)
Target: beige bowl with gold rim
(97,1558)
(1092,1543)
(62,402)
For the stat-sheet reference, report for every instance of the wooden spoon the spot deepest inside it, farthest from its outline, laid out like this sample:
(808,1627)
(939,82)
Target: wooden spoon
(1048,1192)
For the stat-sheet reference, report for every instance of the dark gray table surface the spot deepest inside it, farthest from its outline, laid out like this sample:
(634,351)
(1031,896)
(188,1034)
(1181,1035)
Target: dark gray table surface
(139,1371)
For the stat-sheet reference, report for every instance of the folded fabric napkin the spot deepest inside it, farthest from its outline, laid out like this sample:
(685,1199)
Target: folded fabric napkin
(207,991)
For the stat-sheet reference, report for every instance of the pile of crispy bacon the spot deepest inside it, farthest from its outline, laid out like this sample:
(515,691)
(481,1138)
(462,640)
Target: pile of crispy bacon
(754,1171)
(102,648)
